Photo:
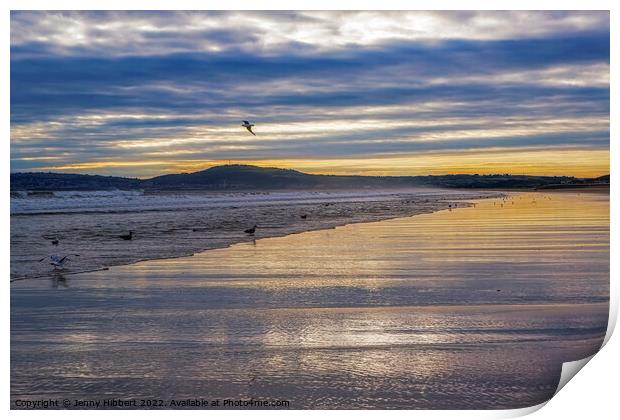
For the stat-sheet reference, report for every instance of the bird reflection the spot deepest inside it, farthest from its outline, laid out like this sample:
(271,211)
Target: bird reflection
(58,279)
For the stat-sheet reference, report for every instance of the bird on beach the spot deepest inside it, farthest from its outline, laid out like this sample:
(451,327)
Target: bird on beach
(251,230)
(249,126)
(127,237)
(304,216)
(58,262)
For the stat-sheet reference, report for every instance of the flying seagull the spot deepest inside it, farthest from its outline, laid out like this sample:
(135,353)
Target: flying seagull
(251,230)
(58,262)
(247,125)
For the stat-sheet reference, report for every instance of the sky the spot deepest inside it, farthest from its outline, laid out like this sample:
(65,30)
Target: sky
(374,93)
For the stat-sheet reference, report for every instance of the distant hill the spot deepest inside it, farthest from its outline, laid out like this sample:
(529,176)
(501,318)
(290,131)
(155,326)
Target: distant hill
(51,181)
(235,177)
(600,182)
(247,177)
(604,179)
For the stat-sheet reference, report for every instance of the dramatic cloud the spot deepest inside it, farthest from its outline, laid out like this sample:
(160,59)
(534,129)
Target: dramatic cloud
(142,93)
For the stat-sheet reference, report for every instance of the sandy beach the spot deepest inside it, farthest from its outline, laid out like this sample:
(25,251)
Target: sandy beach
(475,307)
(169,224)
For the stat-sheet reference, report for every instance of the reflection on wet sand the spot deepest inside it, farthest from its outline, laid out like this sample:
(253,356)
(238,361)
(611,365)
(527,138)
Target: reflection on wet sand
(58,280)
(468,308)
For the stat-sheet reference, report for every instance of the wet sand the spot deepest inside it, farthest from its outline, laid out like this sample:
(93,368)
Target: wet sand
(471,308)
(166,225)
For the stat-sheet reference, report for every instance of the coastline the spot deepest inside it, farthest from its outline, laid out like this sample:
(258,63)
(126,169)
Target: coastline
(196,230)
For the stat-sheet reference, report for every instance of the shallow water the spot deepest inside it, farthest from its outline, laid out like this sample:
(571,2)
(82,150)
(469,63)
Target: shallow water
(471,308)
(168,224)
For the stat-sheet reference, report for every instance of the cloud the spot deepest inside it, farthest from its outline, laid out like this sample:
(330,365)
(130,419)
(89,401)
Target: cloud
(133,32)
(223,80)
(86,86)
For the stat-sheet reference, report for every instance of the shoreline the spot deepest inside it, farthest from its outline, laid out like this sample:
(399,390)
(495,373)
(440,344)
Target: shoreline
(294,226)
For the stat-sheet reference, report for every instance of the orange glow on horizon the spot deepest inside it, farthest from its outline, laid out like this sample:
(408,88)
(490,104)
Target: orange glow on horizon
(571,162)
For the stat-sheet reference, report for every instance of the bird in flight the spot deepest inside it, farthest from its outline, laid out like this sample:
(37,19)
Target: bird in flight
(247,125)
(58,262)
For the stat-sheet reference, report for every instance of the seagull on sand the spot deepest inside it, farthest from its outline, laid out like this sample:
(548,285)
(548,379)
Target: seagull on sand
(58,262)
(249,126)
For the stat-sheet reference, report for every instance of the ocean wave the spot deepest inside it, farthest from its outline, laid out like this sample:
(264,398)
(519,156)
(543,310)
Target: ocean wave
(115,201)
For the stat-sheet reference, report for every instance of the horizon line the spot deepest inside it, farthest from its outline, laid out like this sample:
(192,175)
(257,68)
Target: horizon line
(308,173)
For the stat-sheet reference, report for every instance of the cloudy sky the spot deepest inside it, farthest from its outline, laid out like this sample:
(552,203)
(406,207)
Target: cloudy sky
(146,93)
